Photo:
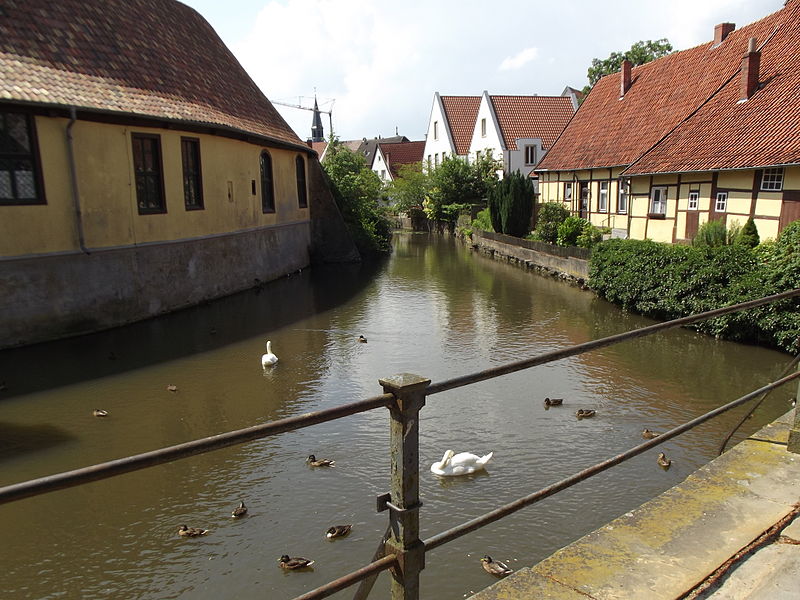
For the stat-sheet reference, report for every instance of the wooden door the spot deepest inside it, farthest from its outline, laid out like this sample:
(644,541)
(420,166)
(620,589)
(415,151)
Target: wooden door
(790,209)
(692,220)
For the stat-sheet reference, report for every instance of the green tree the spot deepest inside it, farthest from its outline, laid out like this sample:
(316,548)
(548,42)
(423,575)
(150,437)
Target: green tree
(748,235)
(639,54)
(356,189)
(551,215)
(410,188)
(455,184)
(511,205)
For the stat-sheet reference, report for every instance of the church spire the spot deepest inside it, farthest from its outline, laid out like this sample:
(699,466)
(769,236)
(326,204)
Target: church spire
(317,135)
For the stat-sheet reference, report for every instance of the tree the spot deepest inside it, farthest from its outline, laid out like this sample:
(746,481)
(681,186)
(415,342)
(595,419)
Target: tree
(639,54)
(410,188)
(356,189)
(511,205)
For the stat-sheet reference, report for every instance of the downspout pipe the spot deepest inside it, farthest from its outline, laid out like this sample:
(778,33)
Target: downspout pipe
(73,171)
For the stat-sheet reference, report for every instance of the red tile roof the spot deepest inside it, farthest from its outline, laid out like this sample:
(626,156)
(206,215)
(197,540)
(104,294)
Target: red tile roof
(461,112)
(402,153)
(761,132)
(531,117)
(153,58)
(609,131)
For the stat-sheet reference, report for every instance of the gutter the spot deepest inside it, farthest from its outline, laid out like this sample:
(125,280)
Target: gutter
(73,172)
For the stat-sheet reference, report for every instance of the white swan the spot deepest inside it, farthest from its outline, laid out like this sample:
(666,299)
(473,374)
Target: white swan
(268,359)
(462,463)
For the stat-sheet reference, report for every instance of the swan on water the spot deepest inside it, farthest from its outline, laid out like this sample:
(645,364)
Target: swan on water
(268,359)
(462,463)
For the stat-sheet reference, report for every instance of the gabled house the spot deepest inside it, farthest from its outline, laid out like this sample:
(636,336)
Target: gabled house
(450,127)
(390,156)
(141,169)
(519,130)
(712,132)
(368,148)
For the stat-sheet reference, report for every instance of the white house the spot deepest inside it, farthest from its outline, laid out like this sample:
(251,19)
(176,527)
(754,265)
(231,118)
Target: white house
(449,127)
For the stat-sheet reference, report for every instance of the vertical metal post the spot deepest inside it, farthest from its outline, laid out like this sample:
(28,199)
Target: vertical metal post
(794,432)
(409,392)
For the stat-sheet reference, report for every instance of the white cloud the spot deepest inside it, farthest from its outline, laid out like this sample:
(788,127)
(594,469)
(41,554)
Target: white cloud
(522,58)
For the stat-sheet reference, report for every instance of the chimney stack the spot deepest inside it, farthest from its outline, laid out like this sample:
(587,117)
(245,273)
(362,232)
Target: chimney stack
(748,82)
(721,31)
(625,77)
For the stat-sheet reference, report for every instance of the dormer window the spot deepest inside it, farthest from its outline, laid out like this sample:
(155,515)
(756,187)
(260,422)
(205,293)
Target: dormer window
(530,155)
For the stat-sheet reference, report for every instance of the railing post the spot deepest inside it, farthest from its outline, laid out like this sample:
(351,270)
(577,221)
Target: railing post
(794,432)
(409,392)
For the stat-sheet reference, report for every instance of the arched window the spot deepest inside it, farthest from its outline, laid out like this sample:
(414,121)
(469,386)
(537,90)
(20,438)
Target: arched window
(302,195)
(267,188)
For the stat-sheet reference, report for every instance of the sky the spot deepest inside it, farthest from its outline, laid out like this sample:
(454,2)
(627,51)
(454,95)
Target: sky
(377,64)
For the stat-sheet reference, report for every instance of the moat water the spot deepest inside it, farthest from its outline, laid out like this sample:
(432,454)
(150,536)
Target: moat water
(434,308)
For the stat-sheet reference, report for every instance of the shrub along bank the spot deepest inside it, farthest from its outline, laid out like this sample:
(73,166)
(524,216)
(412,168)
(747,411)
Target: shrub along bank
(666,282)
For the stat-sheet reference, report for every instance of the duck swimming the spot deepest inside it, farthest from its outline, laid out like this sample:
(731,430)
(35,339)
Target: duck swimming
(463,463)
(649,435)
(319,462)
(268,359)
(362,339)
(338,531)
(191,531)
(239,511)
(297,562)
(99,412)
(495,567)
(585,413)
(553,401)
(664,462)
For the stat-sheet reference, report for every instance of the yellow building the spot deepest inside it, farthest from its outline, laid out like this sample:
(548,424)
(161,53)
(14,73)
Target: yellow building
(706,133)
(141,169)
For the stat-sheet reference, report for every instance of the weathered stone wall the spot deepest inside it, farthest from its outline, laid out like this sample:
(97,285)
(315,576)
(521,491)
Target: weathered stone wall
(330,240)
(572,269)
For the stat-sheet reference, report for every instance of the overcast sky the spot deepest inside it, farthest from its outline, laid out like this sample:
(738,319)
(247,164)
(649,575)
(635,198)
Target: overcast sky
(377,64)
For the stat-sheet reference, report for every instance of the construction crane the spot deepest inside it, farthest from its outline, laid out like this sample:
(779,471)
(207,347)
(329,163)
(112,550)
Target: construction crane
(301,107)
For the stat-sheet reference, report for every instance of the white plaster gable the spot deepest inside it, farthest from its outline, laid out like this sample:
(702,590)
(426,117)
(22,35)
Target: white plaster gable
(492,140)
(380,166)
(438,140)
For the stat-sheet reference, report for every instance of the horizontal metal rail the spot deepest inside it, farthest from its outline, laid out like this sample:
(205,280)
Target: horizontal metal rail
(382,564)
(519,365)
(105,470)
(512,507)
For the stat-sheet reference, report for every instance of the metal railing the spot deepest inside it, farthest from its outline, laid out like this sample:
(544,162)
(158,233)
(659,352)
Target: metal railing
(401,550)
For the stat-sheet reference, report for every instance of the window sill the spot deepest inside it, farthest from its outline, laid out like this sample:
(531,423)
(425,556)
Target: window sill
(657,216)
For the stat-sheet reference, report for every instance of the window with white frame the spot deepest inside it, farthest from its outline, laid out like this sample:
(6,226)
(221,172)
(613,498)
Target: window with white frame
(658,201)
(622,203)
(694,198)
(436,130)
(721,205)
(602,199)
(567,191)
(436,160)
(530,155)
(772,180)
(483,127)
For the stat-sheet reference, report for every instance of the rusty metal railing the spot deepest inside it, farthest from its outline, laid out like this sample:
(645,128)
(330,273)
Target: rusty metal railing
(401,550)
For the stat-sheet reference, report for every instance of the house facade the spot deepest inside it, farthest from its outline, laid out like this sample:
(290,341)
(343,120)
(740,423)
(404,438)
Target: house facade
(141,169)
(450,128)
(709,133)
(390,156)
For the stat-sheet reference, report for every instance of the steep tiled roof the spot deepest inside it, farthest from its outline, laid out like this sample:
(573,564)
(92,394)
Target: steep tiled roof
(531,117)
(727,134)
(609,131)
(402,153)
(461,112)
(152,58)
(368,148)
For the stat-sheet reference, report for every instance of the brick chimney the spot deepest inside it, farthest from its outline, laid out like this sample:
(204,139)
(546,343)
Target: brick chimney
(721,31)
(748,82)
(625,77)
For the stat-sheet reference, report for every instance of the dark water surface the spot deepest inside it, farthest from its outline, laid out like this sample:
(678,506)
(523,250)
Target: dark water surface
(435,309)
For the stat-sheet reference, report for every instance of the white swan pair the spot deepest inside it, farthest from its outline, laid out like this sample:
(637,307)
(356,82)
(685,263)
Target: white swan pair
(268,359)
(463,463)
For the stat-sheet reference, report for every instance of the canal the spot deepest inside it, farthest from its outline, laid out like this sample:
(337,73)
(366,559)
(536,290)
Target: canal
(435,309)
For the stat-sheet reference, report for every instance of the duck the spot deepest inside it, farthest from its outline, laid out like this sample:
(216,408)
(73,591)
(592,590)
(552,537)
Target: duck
(338,531)
(664,462)
(553,401)
(495,567)
(463,463)
(191,531)
(319,462)
(268,359)
(648,434)
(362,339)
(172,388)
(585,413)
(99,412)
(297,562)
(239,511)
